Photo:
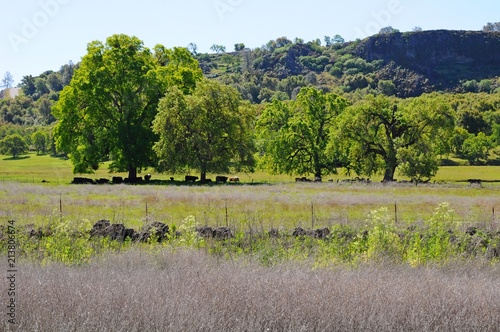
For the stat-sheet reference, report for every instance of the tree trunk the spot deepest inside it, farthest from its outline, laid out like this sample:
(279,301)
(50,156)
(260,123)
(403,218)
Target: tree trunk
(132,173)
(203,177)
(317,176)
(390,169)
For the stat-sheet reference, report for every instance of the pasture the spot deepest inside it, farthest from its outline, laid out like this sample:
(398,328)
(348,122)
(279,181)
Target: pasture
(259,201)
(388,242)
(32,168)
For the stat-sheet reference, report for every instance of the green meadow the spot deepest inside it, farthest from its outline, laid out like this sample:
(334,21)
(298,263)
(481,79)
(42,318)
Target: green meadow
(32,168)
(260,200)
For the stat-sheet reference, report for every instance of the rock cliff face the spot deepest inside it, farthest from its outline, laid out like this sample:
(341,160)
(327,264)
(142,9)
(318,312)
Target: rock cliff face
(431,52)
(432,48)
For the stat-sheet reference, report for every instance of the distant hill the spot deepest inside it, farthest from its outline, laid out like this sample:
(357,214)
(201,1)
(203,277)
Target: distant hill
(401,64)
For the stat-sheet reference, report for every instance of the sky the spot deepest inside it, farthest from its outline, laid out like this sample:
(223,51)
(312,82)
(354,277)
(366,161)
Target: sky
(40,35)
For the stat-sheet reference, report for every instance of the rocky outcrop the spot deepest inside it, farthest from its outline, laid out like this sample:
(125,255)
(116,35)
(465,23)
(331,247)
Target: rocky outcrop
(437,54)
(428,49)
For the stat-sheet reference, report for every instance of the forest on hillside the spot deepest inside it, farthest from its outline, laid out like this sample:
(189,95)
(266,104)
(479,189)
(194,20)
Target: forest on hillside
(459,69)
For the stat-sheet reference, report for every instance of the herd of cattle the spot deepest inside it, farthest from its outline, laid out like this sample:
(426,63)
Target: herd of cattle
(194,179)
(147,178)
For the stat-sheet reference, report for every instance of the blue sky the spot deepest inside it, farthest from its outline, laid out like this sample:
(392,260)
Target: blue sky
(39,35)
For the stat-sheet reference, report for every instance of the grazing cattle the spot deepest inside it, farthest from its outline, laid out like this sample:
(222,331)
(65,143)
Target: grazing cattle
(476,182)
(147,177)
(302,179)
(102,181)
(136,180)
(234,179)
(221,179)
(356,179)
(190,178)
(78,180)
(117,179)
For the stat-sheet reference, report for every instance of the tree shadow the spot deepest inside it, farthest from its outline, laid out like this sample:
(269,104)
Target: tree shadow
(17,158)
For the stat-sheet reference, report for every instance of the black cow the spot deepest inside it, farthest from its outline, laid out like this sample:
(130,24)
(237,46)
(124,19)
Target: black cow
(190,178)
(78,180)
(221,179)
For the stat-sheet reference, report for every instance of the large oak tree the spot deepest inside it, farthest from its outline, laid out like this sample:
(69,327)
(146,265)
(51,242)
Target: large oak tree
(293,136)
(209,130)
(107,110)
(380,134)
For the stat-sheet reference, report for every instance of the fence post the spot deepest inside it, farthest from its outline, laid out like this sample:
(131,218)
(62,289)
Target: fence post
(227,218)
(60,207)
(396,212)
(312,215)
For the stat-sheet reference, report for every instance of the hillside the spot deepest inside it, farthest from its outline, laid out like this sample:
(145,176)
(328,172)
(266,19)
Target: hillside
(402,64)
(394,64)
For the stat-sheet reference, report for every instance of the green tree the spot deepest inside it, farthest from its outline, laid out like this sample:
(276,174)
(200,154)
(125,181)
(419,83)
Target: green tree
(293,136)
(328,41)
(107,111)
(40,140)
(218,48)
(239,47)
(338,39)
(380,134)
(28,85)
(386,87)
(209,131)
(13,144)
(496,134)
(476,148)
(54,82)
(457,140)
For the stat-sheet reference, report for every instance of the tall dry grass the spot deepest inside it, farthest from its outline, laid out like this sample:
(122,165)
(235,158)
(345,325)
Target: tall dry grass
(190,291)
(266,206)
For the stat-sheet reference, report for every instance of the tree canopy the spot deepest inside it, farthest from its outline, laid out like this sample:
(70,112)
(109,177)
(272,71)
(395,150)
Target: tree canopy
(13,144)
(294,135)
(381,133)
(106,112)
(209,131)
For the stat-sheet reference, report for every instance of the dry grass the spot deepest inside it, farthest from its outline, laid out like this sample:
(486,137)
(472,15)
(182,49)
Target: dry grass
(278,205)
(190,291)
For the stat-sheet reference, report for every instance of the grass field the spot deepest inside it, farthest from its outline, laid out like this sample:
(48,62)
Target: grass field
(32,168)
(366,276)
(279,203)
